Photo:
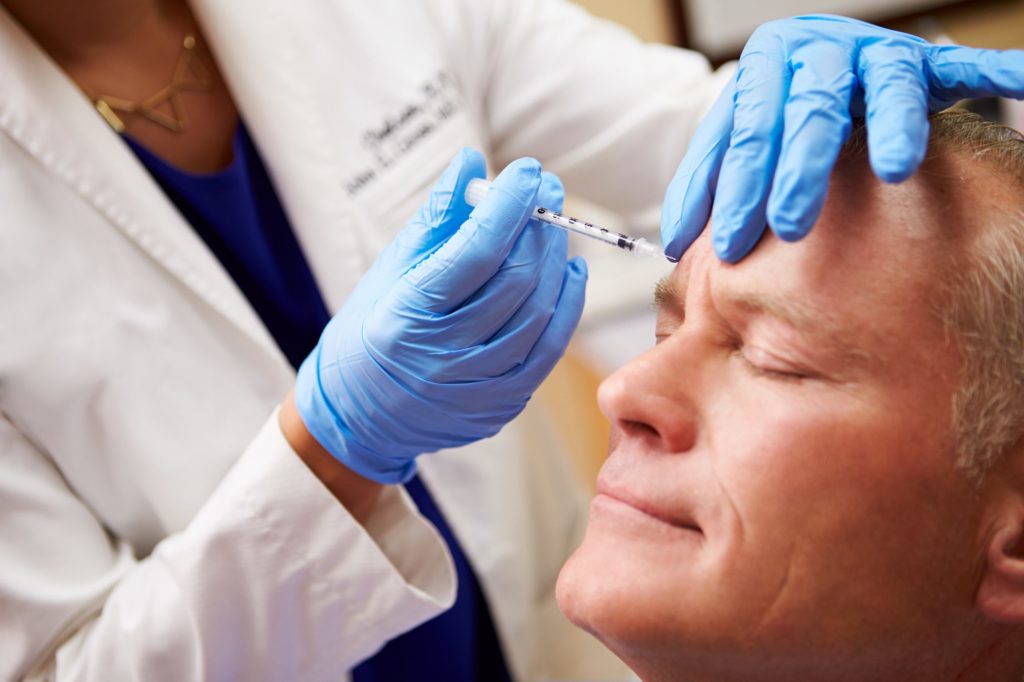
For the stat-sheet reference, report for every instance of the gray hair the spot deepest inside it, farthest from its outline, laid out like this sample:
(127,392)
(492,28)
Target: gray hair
(981,297)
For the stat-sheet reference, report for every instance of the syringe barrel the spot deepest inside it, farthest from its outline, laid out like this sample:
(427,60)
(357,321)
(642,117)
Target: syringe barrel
(477,189)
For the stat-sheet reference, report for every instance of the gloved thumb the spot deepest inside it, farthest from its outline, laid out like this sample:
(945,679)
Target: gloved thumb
(440,216)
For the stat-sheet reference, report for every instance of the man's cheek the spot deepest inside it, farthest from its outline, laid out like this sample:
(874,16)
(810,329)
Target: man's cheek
(768,469)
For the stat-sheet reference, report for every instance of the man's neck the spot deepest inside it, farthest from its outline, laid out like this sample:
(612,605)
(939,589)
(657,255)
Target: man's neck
(72,31)
(1002,660)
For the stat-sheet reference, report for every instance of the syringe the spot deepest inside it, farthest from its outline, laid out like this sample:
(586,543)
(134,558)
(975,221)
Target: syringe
(638,246)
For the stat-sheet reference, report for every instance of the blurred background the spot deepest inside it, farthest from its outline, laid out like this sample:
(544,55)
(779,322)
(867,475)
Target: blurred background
(719,28)
(618,322)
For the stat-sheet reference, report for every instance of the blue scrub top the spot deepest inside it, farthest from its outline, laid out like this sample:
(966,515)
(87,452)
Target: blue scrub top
(237,213)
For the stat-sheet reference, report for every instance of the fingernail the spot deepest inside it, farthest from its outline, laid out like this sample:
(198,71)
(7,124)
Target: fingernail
(551,182)
(725,248)
(451,173)
(580,266)
(525,168)
(788,231)
(896,158)
(891,170)
(551,193)
(443,196)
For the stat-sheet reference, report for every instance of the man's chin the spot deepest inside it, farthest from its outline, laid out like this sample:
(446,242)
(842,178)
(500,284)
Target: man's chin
(611,593)
(577,596)
(609,608)
(646,593)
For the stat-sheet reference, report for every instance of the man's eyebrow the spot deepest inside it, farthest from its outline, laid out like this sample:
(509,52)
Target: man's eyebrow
(822,325)
(667,295)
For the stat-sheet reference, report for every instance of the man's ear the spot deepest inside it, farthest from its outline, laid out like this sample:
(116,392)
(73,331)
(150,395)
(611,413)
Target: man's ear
(1001,593)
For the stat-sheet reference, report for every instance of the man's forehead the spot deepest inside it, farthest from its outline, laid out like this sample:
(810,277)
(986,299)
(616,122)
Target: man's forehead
(734,289)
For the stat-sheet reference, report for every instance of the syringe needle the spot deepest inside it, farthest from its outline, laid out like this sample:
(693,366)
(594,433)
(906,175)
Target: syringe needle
(637,246)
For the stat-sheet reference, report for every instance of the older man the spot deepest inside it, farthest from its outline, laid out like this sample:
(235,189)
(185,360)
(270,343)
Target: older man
(818,472)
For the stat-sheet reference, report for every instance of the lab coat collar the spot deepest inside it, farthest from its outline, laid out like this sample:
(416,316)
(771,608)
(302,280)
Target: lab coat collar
(43,111)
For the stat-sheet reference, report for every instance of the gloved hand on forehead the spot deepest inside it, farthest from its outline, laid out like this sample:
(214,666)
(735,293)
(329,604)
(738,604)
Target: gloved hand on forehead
(450,332)
(765,152)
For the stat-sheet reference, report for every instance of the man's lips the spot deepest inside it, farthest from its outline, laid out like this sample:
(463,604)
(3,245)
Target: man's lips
(628,498)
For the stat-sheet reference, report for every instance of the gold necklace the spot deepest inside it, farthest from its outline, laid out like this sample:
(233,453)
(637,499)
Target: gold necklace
(189,74)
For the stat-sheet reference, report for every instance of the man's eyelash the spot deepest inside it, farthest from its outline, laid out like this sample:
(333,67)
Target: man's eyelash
(735,344)
(768,372)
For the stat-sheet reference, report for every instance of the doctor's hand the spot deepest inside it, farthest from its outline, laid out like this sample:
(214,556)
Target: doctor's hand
(450,332)
(765,151)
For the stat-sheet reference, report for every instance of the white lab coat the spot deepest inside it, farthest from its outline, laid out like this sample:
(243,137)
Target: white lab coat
(154,524)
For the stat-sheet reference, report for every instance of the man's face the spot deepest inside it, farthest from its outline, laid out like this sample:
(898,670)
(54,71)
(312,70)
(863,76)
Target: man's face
(781,493)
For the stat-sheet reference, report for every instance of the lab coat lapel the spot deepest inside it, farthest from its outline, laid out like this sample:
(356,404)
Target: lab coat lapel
(42,110)
(264,51)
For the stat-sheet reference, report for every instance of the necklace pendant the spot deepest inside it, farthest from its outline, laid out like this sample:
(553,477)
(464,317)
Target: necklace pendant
(112,119)
(164,107)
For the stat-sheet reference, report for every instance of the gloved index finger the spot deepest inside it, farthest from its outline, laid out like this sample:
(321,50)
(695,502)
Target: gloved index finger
(738,216)
(816,123)
(687,204)
(474,253)
(896,101)
(438,218)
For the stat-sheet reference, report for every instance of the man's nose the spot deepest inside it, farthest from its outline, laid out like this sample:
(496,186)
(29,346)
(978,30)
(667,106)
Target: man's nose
(650,399)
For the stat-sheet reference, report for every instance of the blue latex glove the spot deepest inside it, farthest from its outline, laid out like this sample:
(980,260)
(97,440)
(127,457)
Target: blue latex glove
(452,329)
(765,151)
